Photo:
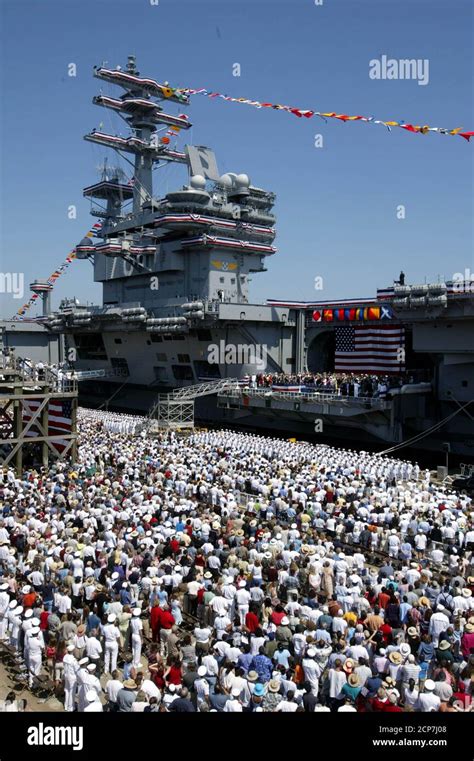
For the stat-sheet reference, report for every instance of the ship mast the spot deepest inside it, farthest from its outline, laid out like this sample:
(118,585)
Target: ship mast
(144,129)
(139,106)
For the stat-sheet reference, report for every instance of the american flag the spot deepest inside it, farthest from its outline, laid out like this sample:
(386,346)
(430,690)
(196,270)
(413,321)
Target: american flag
(365,348)
(59,419)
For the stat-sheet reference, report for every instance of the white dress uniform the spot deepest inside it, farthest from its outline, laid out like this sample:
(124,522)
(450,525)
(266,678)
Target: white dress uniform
(136,627)
(4,602)
(71,669)
(111,636)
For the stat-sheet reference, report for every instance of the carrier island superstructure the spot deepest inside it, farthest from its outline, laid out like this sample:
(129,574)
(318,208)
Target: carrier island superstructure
(176,270)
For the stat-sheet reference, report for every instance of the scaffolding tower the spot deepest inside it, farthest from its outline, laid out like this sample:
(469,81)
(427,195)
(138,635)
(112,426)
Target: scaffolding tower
(35,409)
(175,411)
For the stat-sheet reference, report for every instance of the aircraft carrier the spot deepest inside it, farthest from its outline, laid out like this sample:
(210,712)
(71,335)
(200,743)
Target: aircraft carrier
(176,310)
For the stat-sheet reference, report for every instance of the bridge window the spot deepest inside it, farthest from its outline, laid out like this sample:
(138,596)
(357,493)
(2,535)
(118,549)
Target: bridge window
(182,372)
(161,356)
(90,346)
(184,358)
(206,371)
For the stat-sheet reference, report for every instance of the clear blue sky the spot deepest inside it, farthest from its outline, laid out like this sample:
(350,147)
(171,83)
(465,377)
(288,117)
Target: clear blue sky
(336,206)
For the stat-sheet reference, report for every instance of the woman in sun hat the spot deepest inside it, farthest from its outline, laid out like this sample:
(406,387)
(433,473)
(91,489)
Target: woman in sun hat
(352,687)
(467,639)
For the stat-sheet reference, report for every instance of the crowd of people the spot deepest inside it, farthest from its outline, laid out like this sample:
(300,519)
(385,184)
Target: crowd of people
(60,375)
(230,572)
(365,385)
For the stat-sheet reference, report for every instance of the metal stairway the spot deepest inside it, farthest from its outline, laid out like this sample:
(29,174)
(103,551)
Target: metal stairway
(175,411)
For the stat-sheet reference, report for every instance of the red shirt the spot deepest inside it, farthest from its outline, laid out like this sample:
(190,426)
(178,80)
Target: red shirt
(29,600)
(44,620)
(386,629)
(166,620)
(276,618)
(174,544)
(467,643)
(155,617)
(174,676)
(251,621)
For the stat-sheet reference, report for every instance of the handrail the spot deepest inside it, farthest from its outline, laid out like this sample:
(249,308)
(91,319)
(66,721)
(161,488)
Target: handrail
(306,397)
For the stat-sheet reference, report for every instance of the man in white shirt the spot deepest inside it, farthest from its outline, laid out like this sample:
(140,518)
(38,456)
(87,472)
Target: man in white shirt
(288,704)
(35,650)
(64,602)
(219,605)
(136,628)
(427,700)
(111,637)
(70,669)
(337,680)
(439,622)
(311,669)
(242,597)
(234,705)
(93,648)
(221,624)
(112,688)
(4,602)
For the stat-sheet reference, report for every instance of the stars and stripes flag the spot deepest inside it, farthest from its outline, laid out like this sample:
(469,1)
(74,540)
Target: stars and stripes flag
(59,419)
(365,348)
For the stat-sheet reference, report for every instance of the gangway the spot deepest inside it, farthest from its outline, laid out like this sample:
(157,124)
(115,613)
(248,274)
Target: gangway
(175,411)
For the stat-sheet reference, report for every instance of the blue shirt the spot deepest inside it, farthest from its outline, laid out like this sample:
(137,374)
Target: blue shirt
(263,666)
(281,657)
(93,622)
(244,661)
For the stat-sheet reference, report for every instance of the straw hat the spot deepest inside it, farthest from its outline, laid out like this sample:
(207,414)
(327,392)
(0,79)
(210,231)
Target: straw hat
(395,657)
(411,631)
(130,684)
(274,685)
(353,680)
(252,676)
(349,665)
(424,601)
(444,645)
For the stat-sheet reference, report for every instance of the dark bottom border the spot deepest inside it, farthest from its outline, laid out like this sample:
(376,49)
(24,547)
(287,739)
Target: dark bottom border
(367,735)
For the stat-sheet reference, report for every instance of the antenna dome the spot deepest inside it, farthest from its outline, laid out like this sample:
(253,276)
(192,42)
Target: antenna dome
(198,182)
(226,180)
(243,180)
